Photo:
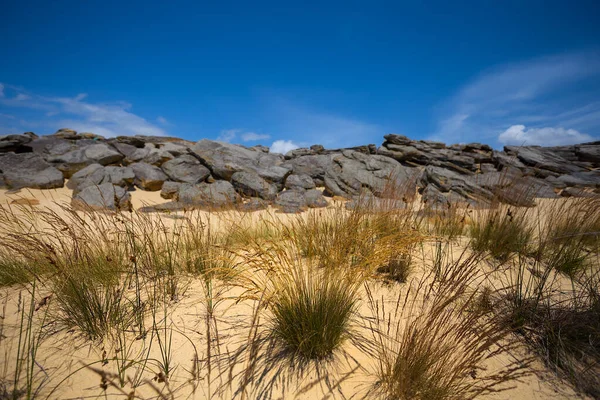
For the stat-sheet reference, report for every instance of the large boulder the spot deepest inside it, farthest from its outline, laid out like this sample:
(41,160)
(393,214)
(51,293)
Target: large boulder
(16,143)
(581,179)
(314,199)
(148,177)
(291,201)
(220,194)
(589,152)
(120,176)
(539,157)
(225,159)
(170,190)
(187,169)
(315,166)
(446,181)
(84,155)
(299,181)
(102,197)
(95,174)
(29,170)
(352,171)
(250,184)
(91,175)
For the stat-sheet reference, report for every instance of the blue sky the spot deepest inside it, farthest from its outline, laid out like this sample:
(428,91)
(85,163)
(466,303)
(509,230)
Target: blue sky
(334,73)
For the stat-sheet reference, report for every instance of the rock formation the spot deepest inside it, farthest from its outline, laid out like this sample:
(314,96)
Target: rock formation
(215,174)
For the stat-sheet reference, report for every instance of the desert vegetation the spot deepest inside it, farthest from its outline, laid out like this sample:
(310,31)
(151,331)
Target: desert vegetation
(369,301)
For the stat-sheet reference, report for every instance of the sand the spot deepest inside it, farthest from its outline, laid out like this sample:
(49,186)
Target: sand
(64,355)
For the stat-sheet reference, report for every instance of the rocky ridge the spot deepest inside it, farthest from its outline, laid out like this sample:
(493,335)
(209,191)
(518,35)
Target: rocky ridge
(209,174)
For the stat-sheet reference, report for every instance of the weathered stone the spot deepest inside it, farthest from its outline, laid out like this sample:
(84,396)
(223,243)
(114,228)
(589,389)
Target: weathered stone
(74,160)
(352,171)
(170,190)
(535,156)
(91,175)
(120,176)
(95,174)
(314,166)
(16,143)
(29,170)
(584,178)
(250,184)
(300,181)
(224,159)
(102,197)
(314,199)
(446,181)
(577,192)
(397,139)
(186,168)
(219,194)
(588,152)
(291,201)
(148,177)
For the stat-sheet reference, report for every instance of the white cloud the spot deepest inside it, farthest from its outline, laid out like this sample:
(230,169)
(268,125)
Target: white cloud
(539,93)
(162,120)
(283,146)
(107,119)
(253,137)
(1,90)
(227,135)
(520,135)
(230,135)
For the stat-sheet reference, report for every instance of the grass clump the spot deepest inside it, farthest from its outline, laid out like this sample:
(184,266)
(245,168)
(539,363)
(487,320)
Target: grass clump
(569,235)
(501,231)
(434,341)
(312,315)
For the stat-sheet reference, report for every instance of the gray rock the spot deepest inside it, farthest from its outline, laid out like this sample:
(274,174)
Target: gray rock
(250,184)
(487,167)
(120,176)
(577,192)
(397,139)
(445,181)
(186,168)
(314,199)
(95,174)
(225,159)
(407,153)
(91,175)
(170,190)
(16,143)
(301,181)
(535,156)
(581,179)
(352,171)
(589,152)
(84,155)
(102,197)
(291,201)
(314,166)
(29,170)
(148,177)
(219,194)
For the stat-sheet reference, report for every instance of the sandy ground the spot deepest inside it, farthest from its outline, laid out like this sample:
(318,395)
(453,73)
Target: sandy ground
(65,355)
